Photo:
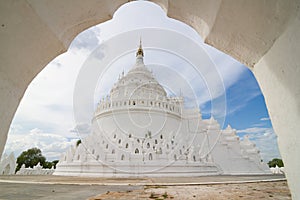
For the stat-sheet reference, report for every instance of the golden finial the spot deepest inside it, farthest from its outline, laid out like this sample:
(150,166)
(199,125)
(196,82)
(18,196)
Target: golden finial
(140,50)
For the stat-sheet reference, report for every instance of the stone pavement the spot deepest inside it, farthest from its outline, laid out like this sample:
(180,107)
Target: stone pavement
(59,187)
(138,181)
(16,191)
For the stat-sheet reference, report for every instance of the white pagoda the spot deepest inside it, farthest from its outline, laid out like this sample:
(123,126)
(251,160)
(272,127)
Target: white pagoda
(139,131)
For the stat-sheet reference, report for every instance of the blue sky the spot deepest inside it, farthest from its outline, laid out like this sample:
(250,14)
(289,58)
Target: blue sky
(47,117)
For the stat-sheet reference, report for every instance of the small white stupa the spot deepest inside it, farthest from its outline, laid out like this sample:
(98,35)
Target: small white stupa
(140,131)
(8,164)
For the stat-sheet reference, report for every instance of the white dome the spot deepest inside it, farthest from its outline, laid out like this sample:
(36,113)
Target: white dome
(138,83)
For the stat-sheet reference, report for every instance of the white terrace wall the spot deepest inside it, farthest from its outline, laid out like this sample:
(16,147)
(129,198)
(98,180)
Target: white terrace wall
(261,34)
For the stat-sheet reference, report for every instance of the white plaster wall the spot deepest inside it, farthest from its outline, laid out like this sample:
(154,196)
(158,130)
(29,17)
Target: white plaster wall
(241,28)
(34,32)
(137,123)
(278,74)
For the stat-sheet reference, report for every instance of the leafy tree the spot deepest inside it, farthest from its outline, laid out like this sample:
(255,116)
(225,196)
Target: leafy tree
(54,162)
(48,165)
(274,162)
(30,158)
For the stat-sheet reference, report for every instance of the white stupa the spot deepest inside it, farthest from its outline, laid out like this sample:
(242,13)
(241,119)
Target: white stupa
(139,131)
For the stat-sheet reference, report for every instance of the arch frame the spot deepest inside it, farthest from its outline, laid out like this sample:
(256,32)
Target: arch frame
(33,33)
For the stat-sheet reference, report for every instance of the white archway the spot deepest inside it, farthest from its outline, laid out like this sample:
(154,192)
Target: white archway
(262,35)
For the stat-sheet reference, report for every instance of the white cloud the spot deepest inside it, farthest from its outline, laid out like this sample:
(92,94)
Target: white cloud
(88,39)
(49,98)
(51,144)
(265,119)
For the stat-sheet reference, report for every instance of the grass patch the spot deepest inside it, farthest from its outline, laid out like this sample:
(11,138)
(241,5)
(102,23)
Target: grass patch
(153,196)
(160,196)
(165,195)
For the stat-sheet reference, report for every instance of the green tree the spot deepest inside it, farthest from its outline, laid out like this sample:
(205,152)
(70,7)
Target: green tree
(48,165)
(54,162)
(274,162)
(30,158)
(78,143)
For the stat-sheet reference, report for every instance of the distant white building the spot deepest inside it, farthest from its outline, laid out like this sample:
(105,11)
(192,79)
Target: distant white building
(36,170)
(8,164)
(277,170)
(139,131)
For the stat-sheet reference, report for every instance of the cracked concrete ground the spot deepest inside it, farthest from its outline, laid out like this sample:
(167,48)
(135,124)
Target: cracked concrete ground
(208,187)
(262,190)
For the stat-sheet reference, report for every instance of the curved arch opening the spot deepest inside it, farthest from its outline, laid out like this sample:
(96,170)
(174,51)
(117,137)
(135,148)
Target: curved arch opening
(82,127)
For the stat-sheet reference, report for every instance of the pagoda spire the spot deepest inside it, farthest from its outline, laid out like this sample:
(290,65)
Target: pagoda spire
(140,51)
(139,56)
